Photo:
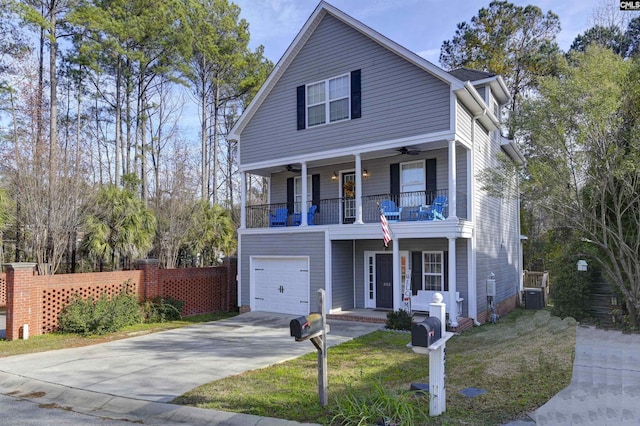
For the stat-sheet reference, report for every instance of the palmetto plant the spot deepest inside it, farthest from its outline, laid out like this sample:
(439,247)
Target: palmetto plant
(120,226)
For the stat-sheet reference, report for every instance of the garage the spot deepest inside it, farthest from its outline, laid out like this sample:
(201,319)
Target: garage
(280,284)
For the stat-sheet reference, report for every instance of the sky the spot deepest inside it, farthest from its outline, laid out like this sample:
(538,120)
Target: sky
(419,25)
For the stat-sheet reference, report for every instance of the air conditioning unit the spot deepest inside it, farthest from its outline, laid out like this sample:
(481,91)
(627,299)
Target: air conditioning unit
(533,298)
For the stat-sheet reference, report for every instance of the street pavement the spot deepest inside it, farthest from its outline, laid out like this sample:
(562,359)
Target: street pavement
(135,378)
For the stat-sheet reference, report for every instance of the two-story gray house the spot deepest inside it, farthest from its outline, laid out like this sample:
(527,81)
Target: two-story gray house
(350,126)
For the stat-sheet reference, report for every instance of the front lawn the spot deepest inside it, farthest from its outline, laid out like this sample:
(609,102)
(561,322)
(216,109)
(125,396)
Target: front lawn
(521,362)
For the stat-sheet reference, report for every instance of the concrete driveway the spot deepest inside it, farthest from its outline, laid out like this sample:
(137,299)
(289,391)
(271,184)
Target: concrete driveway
(161,366)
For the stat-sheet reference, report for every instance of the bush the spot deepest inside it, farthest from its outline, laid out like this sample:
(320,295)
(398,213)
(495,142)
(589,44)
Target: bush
(162,310)
(399,320)
(572,290)
(100,316)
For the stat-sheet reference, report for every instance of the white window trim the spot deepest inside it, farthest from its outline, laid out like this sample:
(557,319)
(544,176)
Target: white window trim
(327,101)
(441,274)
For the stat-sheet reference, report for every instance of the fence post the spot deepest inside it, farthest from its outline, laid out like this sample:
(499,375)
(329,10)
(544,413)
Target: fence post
(23,304)
(231,264)
(150,282)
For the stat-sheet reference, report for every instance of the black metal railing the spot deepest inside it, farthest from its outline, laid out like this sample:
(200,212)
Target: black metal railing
(333,211)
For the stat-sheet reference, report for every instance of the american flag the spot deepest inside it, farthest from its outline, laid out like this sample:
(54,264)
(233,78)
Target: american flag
(386,234)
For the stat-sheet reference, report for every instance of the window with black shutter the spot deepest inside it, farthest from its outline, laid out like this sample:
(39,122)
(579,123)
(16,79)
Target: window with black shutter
(328,101)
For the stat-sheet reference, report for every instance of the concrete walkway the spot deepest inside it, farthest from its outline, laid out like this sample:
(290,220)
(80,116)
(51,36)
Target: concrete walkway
(134,378)
(605,387)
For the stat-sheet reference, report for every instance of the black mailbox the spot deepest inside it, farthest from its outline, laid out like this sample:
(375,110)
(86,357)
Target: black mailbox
(426,333)
(304,327)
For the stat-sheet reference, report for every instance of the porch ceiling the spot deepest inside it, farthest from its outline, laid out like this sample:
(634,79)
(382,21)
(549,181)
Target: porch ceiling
(328,159)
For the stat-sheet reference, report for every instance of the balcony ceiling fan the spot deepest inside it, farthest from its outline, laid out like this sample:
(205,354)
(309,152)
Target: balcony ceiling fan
(409,151)
(291,168)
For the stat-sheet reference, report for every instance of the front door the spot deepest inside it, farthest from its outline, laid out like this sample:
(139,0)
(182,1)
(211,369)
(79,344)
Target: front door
(349,197)
(384,281)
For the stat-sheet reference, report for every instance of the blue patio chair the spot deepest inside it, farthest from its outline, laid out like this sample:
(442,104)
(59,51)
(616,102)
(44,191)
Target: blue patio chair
(279,218)
(311,215)
(390,210)
(435,211)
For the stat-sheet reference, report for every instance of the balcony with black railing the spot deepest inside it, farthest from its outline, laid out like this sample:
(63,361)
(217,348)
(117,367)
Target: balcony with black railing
(419,206)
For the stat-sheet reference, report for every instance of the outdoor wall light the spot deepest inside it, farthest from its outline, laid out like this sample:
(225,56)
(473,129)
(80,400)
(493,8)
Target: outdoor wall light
(365,173)
(334,177)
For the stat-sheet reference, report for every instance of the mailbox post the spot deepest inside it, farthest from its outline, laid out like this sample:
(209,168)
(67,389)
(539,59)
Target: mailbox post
(314,327)
(430,338)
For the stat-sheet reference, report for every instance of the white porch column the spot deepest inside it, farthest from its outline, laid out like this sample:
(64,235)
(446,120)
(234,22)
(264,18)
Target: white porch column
(452,303)
(243,200)
(303,203)
(359,190)
(453,214)
(397,288)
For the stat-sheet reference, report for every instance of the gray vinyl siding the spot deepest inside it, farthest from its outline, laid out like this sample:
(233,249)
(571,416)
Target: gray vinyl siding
(463,121)
(379,179)
(417,244)
(342,289)
(300,244)
(498,236)
(398,98)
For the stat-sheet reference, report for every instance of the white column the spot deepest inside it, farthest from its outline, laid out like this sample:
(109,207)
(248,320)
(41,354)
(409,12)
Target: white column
(358,190)
(453,304)
(303,203)
(243,200)
(397,288)
(452,181)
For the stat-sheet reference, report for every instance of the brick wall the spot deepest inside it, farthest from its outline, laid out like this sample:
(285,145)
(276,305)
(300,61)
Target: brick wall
(38,300)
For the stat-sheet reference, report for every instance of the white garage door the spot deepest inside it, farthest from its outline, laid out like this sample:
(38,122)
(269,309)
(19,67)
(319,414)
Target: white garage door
(281,284)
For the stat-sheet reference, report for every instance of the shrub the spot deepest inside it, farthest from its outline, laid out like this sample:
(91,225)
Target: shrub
(399,320)
(161,309)
(100,316)
(572,290)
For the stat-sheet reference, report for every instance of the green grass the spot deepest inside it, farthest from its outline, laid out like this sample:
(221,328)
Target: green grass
(53,341)
(521,362)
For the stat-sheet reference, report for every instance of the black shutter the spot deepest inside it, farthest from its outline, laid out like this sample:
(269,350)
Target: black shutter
(315,191)
(301,107)
(431,185)
(445,260)
(290,201)
(394,180)
(416,272)
(356,98)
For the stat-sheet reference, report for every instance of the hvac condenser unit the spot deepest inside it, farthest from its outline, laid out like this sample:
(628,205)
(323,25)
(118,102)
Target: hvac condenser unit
(533,298)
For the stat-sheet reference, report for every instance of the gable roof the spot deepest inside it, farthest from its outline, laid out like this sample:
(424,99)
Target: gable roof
(470,74)
(307,30)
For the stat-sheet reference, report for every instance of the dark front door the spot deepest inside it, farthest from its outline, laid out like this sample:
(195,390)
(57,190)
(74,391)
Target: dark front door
(384,281)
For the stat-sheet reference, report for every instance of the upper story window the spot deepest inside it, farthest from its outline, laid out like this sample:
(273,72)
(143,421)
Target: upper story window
(328,101)
(412,182)
(329,98)
(297,193)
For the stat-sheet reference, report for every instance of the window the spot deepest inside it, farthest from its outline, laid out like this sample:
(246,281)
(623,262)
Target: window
(432,270)
(412,183)
(329,98)
(297,193)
